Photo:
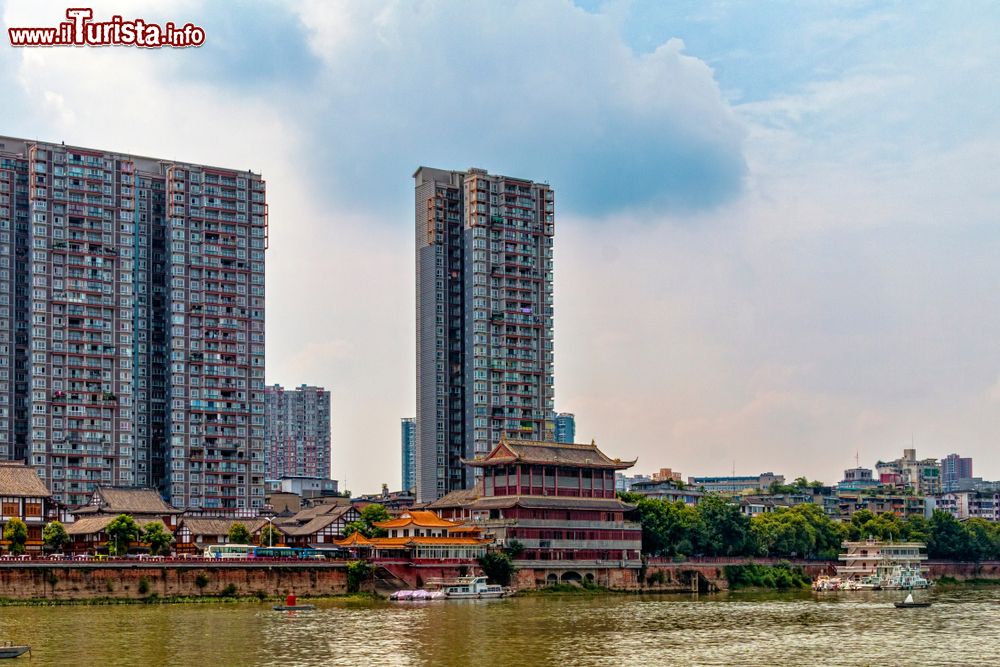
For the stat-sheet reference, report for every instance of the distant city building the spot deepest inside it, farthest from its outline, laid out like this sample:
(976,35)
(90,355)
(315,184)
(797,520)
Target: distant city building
(408,445)
(736,484)
(625,482)
(954,470)
(484,319)
(132,324)
(666,489)
(856,479)
(902,505)
(970,505)
(666,475)
(978,484)
(297,432)
(565,428)
(308,487)
(921,475)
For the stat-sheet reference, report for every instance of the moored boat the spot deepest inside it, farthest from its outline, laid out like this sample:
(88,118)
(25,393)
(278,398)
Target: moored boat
(14,650)
(910,602)
(474,587)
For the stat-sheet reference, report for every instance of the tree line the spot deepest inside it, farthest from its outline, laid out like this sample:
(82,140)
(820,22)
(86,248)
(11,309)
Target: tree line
(716,527)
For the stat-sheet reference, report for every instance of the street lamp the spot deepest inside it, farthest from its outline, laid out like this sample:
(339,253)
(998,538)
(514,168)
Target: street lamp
(270,533)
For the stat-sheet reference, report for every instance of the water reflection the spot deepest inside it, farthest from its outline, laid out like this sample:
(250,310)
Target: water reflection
(739,629)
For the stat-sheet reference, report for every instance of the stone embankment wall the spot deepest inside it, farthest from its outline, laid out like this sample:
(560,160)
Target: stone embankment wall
(93,581)
(962,571)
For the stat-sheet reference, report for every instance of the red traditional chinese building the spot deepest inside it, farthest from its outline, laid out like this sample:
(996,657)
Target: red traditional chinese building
(557,500)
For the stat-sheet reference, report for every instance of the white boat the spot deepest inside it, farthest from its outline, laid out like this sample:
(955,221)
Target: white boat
(474,587)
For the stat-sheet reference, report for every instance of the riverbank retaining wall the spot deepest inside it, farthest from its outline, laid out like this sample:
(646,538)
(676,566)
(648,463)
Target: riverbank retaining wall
(93,581)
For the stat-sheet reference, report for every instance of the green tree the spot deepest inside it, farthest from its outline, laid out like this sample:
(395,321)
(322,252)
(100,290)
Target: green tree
(885,526)
(979,539)
(158,538)
(514,548)
(121,531)
(727,530)
(916,529)
(55,536)
(270,536)
(16,533)
(668,528)
(239,534)
(370,515)
(498,567)
(947,539)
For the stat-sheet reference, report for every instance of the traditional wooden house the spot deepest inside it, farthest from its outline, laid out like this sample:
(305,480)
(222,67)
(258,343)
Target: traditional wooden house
(23,496)
(557,500)
(319,525)
(106,503)
(137,503)
(193,534)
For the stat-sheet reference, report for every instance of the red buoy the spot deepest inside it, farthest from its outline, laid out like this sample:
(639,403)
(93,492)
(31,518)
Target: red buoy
(290,600)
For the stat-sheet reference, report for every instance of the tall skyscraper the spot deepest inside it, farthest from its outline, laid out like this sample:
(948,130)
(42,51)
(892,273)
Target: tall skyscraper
(484,319)
(953,469)
(408,442)
(565,424)
(297,432)
(132,324)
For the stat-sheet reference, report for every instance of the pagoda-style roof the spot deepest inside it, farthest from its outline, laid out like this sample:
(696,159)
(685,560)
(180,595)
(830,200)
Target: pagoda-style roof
(215,527)
(459,498)
(548,453)
(118,500)
(355,539)
(551,502)
(18,480)
(91,525)
(419,518)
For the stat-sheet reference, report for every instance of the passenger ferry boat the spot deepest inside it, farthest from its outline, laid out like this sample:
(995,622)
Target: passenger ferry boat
(874,565)
(474,587)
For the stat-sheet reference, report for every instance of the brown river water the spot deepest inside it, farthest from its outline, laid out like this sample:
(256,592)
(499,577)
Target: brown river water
(961,628)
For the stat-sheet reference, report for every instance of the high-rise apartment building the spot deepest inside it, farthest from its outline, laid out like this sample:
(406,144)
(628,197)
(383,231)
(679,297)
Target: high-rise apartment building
(132,324)
(408,446)
(565,428)
(297,433)
(484,319)
(954,468)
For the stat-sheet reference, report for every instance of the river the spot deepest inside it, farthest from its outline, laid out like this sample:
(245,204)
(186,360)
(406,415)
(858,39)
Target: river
(960,628)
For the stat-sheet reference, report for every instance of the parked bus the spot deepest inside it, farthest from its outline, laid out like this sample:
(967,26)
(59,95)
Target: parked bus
(245,551)
(227,551)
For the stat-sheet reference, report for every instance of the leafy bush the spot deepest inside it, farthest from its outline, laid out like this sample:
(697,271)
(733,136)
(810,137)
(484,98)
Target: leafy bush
(781,576)
(358,571)
(498,567)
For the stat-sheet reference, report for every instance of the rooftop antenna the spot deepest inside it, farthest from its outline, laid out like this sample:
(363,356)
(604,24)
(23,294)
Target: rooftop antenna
(734,467)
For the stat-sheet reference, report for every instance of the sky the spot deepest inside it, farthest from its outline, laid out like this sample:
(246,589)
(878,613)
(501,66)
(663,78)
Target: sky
(777,229)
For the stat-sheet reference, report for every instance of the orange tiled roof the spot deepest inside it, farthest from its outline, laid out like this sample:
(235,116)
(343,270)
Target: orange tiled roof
(355,539)
(465,529)
(422,518)
(389,542)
